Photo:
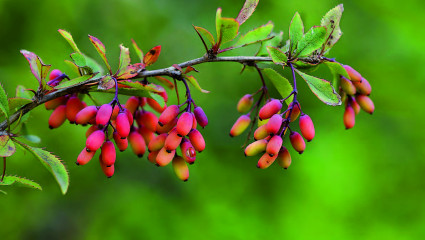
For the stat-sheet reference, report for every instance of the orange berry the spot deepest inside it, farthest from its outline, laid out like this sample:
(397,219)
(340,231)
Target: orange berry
(353,74)
(137,143)
(295,111)
(266,160)
(132,104)
(167,127)
(58,117)
(147,119)
(155,105)
(73,106)
(197,140)
(256,147)
(84,157)
(188,151)
(52,104)
(307,127)
(152,156)
(363,87)
(245,103)
(348,86)
(261,132)
(180,168)
(365,103)
(147,134)
(274,145)
(284,158)
(184,124)
(172,141)
(168,115)
(157,142)
(274,124)
(240,125)
(349,117)
(164,158)
(297,142)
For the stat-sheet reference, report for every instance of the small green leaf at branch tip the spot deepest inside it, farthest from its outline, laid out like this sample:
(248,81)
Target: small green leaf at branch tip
(32,138)
(205,33)
(79,59)
(19,181)
(7,147)
(22,92)
(195,83)
(247,10)
(274,42)
(333,31)
(281,84)
(107,82)
(322,89)
(73,67)
(256,35)
(227,28)
(38,68)
(311,41)
(296,31)
(101,50)
(277,55)
(69,39)
(337,70)
(75,81)
(52,163)
(4,105)
(138,51)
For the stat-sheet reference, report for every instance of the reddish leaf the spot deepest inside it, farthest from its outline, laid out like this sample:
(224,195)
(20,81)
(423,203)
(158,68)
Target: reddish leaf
(139,52)
(151,57)
(7,147)
(100,49)
(38,68)
(190,69)
(131,71)
(247,10)
(204,32)
(126,70)
(165,81)
(106,83)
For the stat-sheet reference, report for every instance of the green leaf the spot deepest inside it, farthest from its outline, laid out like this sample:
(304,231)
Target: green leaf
(204,32)
(5,193)
(106,83)
(94,66)
(227,28)
(138,51)
(101,50)
(75,81)
(333,31)
(274,42)
(22,92)
(281,84)
(38,68)
(337,70)
(158,99)
(16,103)
(296,31)
(69,39)
(126,70)
(322,89)
(4,105)
(19,181)
(311,41)
(32,138)
(256,35)
(247,10)
(277,55)
(133,89)
(52,163)
(79,59)
(7,147)
(195,83)
(73,67)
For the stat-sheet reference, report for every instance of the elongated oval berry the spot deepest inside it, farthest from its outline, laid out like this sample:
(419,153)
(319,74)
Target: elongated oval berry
(195,123)
(129,116)
(365,103)
(114,114)
(167,127)
(95,140)
(137,143)
(240,125)
(197,140)
(363,87)
(297,142)
(184,124)
(52,104)
(274,145)
(148,119)
(200,116)
(90,130)
(58,117)
(270,109)
(152,156)
(84,157)
(85,115)
(274,124)
(284,158)
(108,153)
(172,141)
(307,127)
(164,158)
(261,132)
(157,142)
(348,86)
(168,115)
(188,151)
(352,101)
(353,74)
(123,126)
(266,160)
(104,114)
(73,106)
(155,105)
(147,134)
(55,73)
(295,111)
(256,147)
(122,144)
(132,104)
(349,117)
(108,171)
(245,103)
(180,168)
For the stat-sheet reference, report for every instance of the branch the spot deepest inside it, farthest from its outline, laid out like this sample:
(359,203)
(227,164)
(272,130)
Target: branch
(170,71)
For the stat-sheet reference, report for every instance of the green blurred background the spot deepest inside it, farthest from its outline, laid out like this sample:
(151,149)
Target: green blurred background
(365,183)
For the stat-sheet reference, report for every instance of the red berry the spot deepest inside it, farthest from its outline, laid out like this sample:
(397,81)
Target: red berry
(266,160)
(184,124)
(84,157)
(349,117)
(147,119)
(353,74)
(274,124)
(365,103)
(188,151)
(363,87)
(52,104)
(85,115)
(261,132)
(200,116)
(58,117)
(152,156)
(295,111)
(132,104)
(297,142)
(147,134)
(157,142)
(355,105)
(172,141)
(137,143)
(348,86)
(269,109)
(240,125)
(194,123)
(180,168)
(155,105)
(167,127)
(164,158)
(129,116)
(103,115)
(95,140)
(122,144)
(107,170)
(307,127)
(245,103)
(197,140)
(90,130)
(274,145)
(73,106)
(55,73)
(284,158)
(123,126)
(108,153)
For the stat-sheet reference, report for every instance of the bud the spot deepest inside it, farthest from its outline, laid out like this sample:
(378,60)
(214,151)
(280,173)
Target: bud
(84,157)
(240,125)
(167,127)
(85,115)
(108,153)
(297,142)
(90,130)
(200,116)
(152,156)
(52,104)
(348,86)
(147,134)
(148,119)
(188,151)
(180,168)
(265,161)
(245,103)
(197,140)
(95,140)
(273,125)
(108,171)
(363,87)
(274,145)
(164,158)
(349,117)
(168,115)
(58,117)
(73,106)
(132,104)
(155,105)
(157,142)
(256,148)
(261,132)
(284,158)
(269,109)
(307,127)
(184,124)
(104,114)
(353,74)
(137,143)
(365,103)
(123,125)
(295,111)
(122,144)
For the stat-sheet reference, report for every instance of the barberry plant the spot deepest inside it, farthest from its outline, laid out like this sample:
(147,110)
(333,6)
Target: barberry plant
(171,133)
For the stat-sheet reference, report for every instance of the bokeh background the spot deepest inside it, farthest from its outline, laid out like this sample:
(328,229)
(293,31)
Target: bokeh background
(364,183)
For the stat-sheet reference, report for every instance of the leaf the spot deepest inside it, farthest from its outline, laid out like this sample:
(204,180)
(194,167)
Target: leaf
(19,181)
(32,138)
(52,163)
(247,10)
(256,35)
(22,92)
(5,193)
(337,70)
(195,83)
(79,59)
(151,56)
(94,66)
(141,86)
(281,84)
(277,55)
(296,31)
(106,83)
(101,50)
(16,103)
(7,147)
(132,89)
(322,89)
(38,68)
(73,67)
(131,71)
(74,81)
(4,105)
(333,31)
(204,32)
(69,39)
(158,99)
(227,28)
(165,81)
(138,51)
(274,42)
(311,41)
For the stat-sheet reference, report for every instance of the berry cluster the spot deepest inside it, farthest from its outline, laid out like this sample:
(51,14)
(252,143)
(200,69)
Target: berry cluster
(355,92)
